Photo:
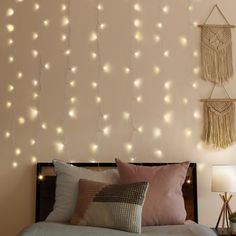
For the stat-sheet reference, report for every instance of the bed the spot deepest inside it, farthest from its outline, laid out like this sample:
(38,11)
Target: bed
(45,194)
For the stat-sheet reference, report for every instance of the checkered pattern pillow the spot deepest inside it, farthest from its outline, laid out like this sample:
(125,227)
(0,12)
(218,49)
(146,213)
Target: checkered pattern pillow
(117,206)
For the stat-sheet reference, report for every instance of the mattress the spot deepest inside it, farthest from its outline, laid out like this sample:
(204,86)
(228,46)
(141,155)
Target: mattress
(56,229)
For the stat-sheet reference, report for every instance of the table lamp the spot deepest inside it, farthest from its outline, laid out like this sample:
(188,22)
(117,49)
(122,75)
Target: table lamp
(224,181)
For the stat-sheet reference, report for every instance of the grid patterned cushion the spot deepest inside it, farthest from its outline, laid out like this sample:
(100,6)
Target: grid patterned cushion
(117,206)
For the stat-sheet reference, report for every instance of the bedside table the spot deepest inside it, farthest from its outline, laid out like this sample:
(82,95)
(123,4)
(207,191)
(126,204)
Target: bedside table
(221,232)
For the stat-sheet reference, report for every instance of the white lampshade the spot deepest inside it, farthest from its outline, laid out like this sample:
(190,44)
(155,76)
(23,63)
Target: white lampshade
(223,178)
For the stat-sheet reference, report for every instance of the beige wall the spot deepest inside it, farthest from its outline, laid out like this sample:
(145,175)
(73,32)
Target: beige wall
(163,95)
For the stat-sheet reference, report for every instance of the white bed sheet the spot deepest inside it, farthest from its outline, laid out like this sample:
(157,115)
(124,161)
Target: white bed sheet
(56,229)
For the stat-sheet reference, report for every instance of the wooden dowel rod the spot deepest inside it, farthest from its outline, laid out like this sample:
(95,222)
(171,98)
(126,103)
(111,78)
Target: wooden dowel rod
(218,100)
(212,25)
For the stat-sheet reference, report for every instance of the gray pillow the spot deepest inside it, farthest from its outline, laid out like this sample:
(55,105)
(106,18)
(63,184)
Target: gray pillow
(67,180)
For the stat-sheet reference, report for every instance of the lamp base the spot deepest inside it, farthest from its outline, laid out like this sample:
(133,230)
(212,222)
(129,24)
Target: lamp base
(225,212)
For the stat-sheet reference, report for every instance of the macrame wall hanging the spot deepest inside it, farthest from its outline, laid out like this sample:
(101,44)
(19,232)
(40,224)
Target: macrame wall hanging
(218,128)
(216,50)
(216,59)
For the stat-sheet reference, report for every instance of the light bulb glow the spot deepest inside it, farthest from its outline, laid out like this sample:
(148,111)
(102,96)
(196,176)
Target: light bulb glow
(139,99)
(156,70)
(168,117)
(59,130)
(94,84)
(195,53)
(137,7)
(7,134)
(100,7)
(93,36)
(63,37)
(67,52)
(168,99)
(65,21)
(105,116)
(11,59)
(73,100)
(35,83)
(8,104)
(128,147)
(33,113)
(21,120)
(159,25)
(190,8)
(36,6)
(106,130)
(140,129)
(72,113)
(63,7)
(98,99)
(59,147)
(137,54)
(196,114)
(41,177)
(46,23)
(185,101)
(196,70)
(34,159)
(138,36)
(94,147)
(102,26)
(17,151)
(137,83)
(156,133)
(126,115)
(166,9)
(73,69)
(19,75)
(137,23)
(187,133)
(107,68)
(168,85)
(166,53)
(44,126)
(93,55)
(35,36)
(132,159)
(32,142)
(127,70)
(14,164)
(35,53)
(10,42)
(156,38)
(158,153)
(183,41)
(10,12)
(72,83)
(195,85)
(47,66)
(10,88)
(10,28)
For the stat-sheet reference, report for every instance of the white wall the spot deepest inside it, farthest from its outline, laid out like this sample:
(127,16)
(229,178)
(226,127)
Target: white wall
(179,139)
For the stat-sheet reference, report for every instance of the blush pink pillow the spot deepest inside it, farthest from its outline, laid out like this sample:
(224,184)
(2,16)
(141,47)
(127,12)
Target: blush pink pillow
(164,203)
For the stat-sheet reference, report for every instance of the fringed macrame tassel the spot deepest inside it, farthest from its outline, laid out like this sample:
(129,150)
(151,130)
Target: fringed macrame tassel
(216,51)
(218,130)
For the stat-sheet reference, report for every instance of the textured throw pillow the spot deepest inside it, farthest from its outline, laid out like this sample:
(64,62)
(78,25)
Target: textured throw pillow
(67,187)
(113,206)
(164,203)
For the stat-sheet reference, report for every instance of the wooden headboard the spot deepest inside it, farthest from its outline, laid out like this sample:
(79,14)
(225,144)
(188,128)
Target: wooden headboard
(46,183)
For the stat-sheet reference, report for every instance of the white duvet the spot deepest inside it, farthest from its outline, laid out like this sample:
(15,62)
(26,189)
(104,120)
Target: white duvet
(56,229)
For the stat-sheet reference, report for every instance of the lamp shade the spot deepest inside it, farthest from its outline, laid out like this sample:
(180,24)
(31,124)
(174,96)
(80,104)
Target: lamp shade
(223,178)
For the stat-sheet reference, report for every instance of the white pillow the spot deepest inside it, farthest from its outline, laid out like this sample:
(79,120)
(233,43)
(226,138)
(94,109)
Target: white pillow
(67,187)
